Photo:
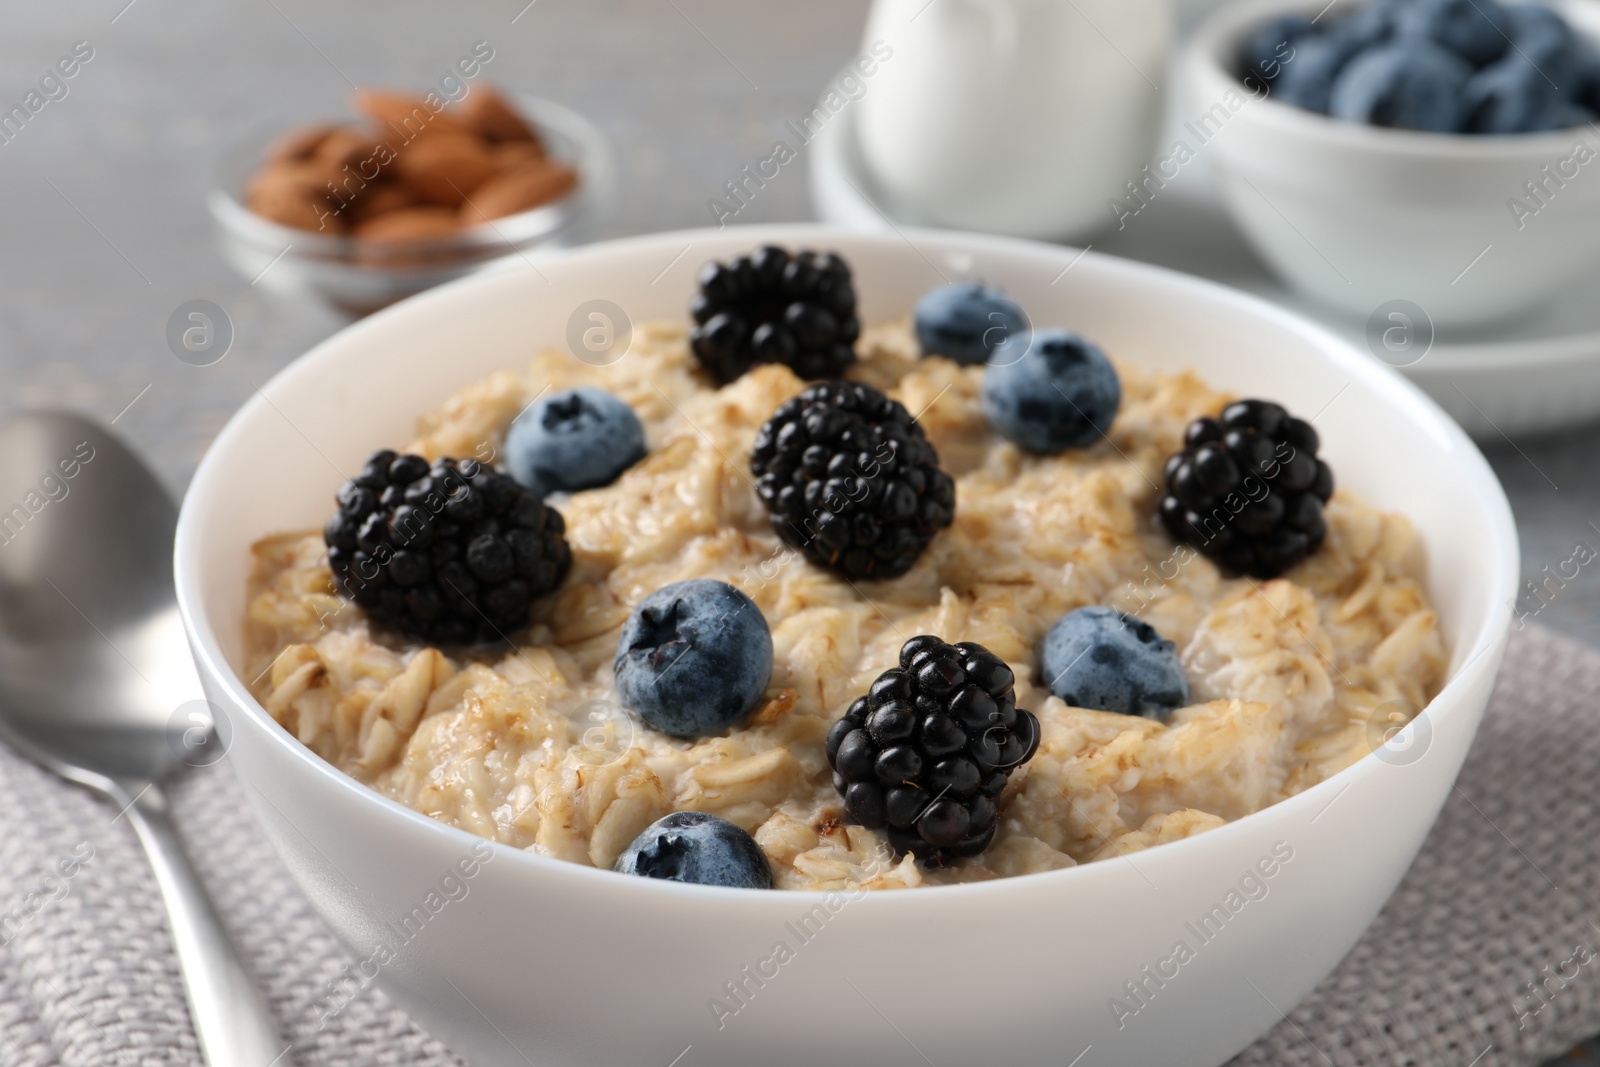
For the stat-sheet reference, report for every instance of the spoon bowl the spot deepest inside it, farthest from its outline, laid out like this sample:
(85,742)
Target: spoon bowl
(96,683)
(93,664)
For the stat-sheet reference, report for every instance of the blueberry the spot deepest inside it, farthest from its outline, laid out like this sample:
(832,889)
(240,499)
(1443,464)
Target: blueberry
(1308,73)
(1532,86)
(691,846)
(579,439)
(1589,86)
(1408,85)
(1099,658)
(1050,390)
(1477,31)
(1507,97)
(1306,80)
(1270,47)
(1370,26)
(1542,38)
(694,658)
(966,321)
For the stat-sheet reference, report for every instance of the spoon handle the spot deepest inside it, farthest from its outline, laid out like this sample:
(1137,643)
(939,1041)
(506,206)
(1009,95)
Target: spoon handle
(231,1018)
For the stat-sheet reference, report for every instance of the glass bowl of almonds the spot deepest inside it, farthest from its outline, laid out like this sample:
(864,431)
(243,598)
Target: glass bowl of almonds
(414,192)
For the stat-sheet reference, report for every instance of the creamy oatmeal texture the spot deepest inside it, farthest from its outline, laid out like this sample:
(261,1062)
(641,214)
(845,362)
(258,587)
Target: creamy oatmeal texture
(522,746)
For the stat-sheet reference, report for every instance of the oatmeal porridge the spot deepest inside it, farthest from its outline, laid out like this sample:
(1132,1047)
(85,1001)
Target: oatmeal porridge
(526,742)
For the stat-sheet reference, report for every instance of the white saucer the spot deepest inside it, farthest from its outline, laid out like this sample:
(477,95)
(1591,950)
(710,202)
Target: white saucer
(1539,373)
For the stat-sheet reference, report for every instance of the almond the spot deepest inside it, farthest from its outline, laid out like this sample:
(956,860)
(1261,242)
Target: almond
(349,163)
(391,239)
(380,199)
(294,194)
(510,153)
(491,116)
(299,144)
(521,188)
(444,169)
(345,147)
(408,237)
(405,116)
(409,224)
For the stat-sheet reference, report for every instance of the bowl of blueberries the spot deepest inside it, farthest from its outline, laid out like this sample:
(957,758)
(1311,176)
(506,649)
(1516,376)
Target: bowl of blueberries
(1432,153)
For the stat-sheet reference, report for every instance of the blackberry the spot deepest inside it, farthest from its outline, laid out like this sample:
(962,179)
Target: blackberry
(452,553)
(851,481)
(773,307)
(928,750)
(1247,490)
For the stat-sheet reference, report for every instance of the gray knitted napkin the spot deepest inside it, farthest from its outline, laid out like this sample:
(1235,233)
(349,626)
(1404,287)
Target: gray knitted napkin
(1488,955)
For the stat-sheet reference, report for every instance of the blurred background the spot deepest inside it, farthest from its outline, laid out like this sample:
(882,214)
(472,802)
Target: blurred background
(105,227)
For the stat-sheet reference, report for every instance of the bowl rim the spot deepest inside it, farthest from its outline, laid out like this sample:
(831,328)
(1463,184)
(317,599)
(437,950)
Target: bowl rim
(589,155)
(210,660)
(1219,39)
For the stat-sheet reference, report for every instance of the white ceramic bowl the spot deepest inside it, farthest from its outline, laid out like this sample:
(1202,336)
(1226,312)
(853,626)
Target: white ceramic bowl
(1359,216)
(558,964)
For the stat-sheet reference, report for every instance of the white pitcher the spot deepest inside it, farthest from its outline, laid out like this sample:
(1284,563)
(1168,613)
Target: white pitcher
(1021,117)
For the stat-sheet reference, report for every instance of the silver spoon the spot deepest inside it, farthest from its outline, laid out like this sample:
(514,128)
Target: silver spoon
(95,675)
